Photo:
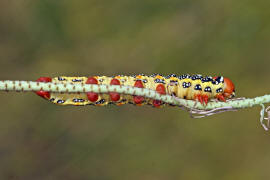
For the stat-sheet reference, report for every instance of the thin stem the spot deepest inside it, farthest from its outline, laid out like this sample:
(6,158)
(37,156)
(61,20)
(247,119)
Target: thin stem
(213,107)
(20,86)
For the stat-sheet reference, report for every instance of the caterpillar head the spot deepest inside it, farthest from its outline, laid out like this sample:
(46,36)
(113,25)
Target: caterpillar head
(229,90)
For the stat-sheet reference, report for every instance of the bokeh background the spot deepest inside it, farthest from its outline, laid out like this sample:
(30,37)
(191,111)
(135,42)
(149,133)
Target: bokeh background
(39,140)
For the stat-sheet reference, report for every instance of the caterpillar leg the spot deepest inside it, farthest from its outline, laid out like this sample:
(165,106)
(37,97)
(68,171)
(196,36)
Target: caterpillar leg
(205,99)
(199,98)
(221,97)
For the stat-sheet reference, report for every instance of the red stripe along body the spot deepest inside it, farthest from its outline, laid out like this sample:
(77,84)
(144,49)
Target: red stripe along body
(195,87)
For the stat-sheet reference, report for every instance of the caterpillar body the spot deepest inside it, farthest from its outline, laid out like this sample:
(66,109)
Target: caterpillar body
(192,87)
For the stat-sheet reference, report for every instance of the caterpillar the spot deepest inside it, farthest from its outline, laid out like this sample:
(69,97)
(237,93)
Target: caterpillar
(191,87)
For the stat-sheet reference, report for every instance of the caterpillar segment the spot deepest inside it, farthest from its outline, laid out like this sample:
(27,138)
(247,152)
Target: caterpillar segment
(195,87)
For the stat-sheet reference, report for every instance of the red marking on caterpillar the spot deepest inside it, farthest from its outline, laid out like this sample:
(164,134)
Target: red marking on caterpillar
(138,99)
(93,97)
(161,90)
(114,95)
(44,94)
(195,87)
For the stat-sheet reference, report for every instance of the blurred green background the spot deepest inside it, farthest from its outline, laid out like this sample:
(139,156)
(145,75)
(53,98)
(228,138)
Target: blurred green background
(39,140)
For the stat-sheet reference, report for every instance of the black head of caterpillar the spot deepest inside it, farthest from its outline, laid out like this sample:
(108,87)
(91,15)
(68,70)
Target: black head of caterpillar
(193,87)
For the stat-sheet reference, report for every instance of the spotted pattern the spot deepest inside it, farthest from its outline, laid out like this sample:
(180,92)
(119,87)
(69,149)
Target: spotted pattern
(184,86)
(208,89)
(219,90)
(76,80)
(159,81)
(195,77)
(184,76)
(60,101)
(102,101)
(78,100)
(63,79)
(198,87)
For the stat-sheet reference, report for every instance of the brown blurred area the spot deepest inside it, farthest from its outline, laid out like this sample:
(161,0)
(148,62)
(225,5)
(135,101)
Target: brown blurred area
(39,140)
